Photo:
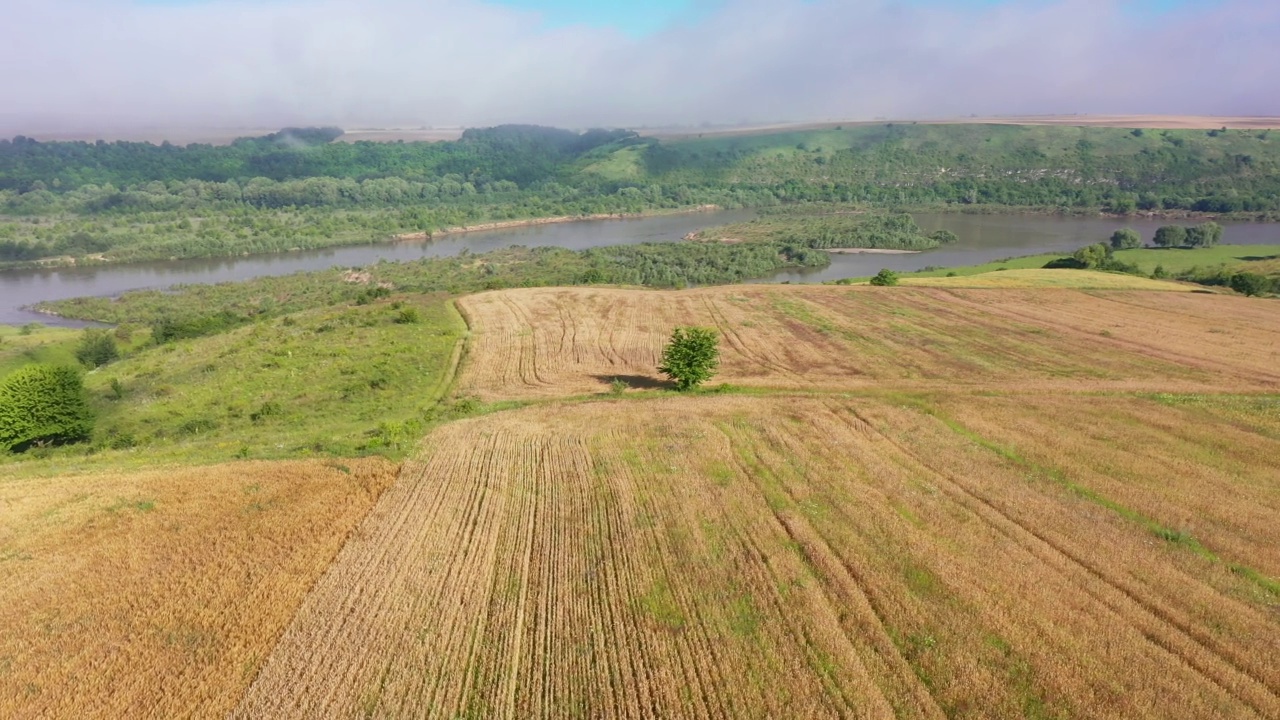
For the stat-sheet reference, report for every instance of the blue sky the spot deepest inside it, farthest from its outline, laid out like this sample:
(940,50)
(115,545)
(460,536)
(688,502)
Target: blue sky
(641,17)
(637,17)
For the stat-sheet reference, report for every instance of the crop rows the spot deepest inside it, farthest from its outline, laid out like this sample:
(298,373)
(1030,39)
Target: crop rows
(558,341)
(749,557)
(159,593)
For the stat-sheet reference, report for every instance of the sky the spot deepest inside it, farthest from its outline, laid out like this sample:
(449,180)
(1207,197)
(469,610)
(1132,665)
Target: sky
(84,65)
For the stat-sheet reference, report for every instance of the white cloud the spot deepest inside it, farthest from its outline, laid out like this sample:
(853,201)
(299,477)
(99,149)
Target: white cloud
(88,64)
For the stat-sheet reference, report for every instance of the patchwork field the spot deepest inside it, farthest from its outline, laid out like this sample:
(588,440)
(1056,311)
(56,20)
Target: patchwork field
(874,556)
(562,341)
(160,593)
(910,502)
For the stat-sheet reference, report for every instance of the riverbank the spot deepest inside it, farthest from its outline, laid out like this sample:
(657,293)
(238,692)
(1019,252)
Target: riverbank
(348,239)
(353,238)
(870,251)
(1095,213)
(558,220)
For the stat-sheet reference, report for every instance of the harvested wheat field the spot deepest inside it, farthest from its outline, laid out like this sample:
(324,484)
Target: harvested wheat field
(560,341)
(879,556)
(160,593)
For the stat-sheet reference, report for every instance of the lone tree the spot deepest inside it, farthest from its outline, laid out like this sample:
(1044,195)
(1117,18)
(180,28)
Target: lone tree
(43,405)
(691,358)
(1125,238)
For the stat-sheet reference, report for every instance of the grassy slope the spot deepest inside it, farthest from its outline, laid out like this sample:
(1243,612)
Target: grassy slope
(39,345)
(337,381)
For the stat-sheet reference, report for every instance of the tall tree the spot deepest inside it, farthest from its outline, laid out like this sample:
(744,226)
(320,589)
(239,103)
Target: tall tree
(1125,238)
(1170,236)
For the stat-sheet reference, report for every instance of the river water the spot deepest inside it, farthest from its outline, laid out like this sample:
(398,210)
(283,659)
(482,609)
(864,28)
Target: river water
(982,238)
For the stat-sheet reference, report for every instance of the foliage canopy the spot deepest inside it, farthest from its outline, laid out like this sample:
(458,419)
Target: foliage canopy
(1126,239)
(691,357)
(885,278)
(43,404)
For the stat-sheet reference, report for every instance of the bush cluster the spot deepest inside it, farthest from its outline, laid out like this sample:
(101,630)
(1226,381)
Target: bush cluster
(43,404)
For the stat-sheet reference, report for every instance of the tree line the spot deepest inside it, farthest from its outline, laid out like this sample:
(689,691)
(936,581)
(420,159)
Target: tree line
(299,188)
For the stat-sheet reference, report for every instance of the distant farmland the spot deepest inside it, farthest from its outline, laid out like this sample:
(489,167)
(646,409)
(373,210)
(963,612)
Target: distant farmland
(886,556)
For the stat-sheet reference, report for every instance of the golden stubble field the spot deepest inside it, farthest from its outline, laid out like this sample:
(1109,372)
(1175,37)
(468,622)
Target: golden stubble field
(940,503)
(552,342)
(159,593)
(872,556)
(917,502)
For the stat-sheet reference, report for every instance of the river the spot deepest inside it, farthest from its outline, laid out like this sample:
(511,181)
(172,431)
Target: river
(982,238)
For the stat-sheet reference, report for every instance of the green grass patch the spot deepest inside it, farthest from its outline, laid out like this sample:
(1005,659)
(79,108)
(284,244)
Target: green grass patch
(1180,260)
(624,164)
(660,605)
(339,381)
(36,344)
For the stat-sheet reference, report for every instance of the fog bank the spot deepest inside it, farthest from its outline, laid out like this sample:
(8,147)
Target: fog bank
(115,64)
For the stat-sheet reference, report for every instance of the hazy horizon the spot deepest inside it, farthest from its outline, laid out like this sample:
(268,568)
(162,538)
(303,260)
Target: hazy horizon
(120,66)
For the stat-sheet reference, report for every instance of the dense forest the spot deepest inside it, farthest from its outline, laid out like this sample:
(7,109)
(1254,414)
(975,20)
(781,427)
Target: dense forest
(303,188)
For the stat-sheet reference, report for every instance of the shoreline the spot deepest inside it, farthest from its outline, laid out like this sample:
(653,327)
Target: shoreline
(98,259)
(870,251)
(556,220)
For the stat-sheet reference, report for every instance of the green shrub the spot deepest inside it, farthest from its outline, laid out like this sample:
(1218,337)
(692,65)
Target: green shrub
(269,409)
(408,316)
(691,357)
(96,348)
(885,278)
(1093,256)
(43,405)
(169,329)
(1250,284)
